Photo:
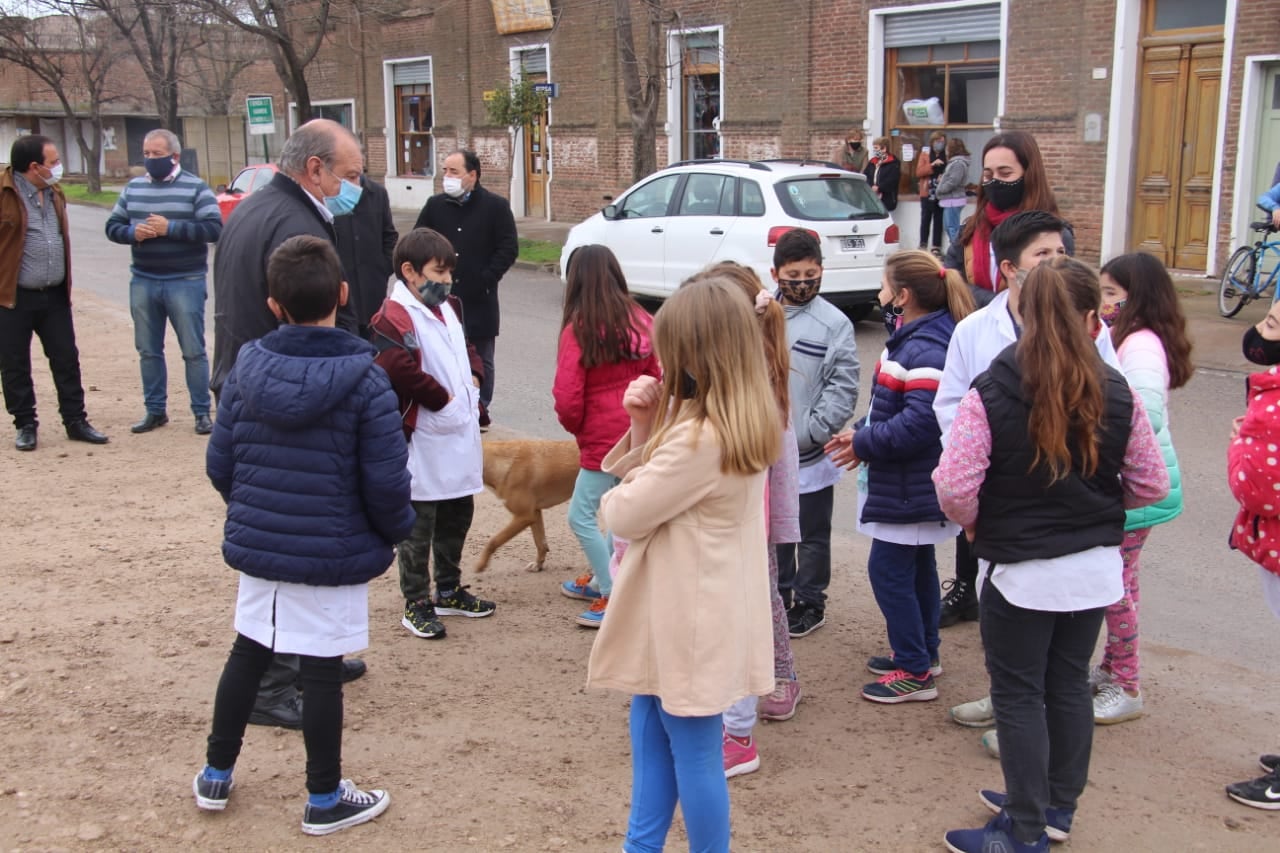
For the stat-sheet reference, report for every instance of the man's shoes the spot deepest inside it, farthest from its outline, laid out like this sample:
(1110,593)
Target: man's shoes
(1262,793)
(781,704)
(978,714)
(803,619)
(593,616)
(353,668)
(285,714)
(459,602)
(740,758)
(353,807)
(885,665)
(1113,705)
(421,620)
(484,418)
(1057,821)
(1269,763)
(212,794)
(204,424)
(152,421)
(580,588)
(959,602)
(901,686)
(996,837)
(82,430)
(26,439)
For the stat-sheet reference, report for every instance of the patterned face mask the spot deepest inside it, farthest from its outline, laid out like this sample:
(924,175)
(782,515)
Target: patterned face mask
(1109,313)
(799,291)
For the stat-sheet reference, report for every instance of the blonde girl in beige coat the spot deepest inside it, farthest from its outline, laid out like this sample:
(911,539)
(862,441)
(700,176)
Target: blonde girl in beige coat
(688,632)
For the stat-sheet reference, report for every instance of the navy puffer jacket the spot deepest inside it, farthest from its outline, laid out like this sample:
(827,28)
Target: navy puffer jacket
(899,438)
(308,454)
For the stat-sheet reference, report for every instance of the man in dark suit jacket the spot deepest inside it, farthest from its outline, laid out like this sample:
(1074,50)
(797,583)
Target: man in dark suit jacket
(366,240)
(482,230)
(303,198)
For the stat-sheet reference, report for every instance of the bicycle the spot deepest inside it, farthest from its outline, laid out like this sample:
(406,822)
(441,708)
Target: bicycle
(1245,278)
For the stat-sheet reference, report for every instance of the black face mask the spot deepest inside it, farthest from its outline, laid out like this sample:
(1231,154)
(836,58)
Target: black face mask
(892,314)
(856,146)
(688,386)
(1004,195)
(1258,349)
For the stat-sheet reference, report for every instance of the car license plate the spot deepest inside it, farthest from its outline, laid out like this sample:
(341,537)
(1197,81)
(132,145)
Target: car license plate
(852,244)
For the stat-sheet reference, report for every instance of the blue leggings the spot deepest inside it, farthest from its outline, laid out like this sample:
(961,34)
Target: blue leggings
(676,759)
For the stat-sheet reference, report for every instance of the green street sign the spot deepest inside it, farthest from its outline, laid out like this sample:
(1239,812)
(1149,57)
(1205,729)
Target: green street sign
(262,118)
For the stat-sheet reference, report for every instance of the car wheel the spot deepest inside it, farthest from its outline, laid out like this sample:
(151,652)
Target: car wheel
(859,312)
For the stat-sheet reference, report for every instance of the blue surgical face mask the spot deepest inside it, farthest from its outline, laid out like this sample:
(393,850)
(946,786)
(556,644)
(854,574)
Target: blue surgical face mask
(158,167)
(345,201)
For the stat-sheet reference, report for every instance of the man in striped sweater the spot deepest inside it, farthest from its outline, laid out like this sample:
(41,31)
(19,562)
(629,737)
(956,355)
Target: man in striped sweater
(168,216)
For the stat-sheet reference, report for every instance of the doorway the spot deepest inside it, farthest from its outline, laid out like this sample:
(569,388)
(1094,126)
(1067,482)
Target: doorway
(1181,77)
(1266,167)
(532,66)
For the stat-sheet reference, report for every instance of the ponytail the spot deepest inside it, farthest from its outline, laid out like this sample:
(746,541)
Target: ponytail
(1061,369)
(933,286)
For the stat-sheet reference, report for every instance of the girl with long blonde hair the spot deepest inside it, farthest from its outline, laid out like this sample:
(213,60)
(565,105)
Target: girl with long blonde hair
(687,633)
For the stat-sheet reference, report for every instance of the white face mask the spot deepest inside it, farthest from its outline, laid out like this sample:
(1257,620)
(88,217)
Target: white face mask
(55,175)
(452,186)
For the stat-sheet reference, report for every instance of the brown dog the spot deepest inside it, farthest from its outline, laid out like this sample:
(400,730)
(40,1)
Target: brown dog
(528,476)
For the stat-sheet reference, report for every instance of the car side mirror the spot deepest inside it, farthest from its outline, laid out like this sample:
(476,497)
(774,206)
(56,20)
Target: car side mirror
(221,188)
(610,211)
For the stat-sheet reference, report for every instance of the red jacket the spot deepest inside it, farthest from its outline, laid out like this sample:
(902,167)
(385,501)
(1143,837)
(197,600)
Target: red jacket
(589,400)
(1253,472)
(391,333)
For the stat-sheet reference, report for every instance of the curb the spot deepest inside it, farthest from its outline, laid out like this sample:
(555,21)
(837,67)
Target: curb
(534,266)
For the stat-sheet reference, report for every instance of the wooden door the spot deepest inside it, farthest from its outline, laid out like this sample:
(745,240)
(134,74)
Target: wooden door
(535,162)
(1177,133)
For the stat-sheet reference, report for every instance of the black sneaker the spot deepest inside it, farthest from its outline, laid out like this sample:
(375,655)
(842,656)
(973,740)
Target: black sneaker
(286,714)
(1269,763)
(421,620)
(212,794)
(885,665)
(459,602)
(1261,793)
(804,619)
(354,807)
(959,602)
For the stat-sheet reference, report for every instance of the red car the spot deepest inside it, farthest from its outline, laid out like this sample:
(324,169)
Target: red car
(250,180)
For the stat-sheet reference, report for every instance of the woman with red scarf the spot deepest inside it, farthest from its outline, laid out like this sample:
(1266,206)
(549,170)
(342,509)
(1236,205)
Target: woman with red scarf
(1013,180)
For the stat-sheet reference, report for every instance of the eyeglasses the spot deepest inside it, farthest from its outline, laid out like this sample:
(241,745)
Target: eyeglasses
(800,282)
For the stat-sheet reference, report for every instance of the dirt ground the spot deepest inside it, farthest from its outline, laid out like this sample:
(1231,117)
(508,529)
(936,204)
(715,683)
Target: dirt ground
(117,620)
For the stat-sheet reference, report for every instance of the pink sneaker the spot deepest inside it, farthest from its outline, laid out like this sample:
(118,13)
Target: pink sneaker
(781,703)
(739,759)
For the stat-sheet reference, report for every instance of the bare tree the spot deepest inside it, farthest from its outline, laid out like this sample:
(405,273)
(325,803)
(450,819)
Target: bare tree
(642,81)
(217,56)
(157,34)
(293,31)
(70,51)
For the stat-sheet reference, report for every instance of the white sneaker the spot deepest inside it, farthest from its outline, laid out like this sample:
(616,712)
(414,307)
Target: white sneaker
(991,743)
(975,715)
(1098,677)
(1113,705)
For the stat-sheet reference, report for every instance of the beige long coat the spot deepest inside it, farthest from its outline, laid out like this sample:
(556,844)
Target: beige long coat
(689,617)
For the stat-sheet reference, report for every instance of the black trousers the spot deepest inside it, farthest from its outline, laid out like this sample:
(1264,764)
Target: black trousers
(47,315)
(930,213)
(966,562)
(804,569)
(321,712)
(1039,666)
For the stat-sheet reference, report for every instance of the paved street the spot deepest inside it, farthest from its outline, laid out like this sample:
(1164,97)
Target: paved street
(1196,595)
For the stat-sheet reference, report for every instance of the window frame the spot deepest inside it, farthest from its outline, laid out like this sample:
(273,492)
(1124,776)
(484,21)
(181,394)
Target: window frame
(395,138)
(350,103)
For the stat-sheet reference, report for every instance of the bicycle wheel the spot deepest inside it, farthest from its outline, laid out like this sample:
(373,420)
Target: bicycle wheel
(1236,289)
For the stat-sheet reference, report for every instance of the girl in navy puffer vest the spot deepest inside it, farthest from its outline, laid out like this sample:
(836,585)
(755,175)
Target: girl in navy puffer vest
(900,441)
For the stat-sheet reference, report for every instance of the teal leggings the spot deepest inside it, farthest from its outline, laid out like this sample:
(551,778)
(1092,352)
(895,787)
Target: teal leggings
(583,509)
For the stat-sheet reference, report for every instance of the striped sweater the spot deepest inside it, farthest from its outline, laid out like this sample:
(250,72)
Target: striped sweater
(194,221)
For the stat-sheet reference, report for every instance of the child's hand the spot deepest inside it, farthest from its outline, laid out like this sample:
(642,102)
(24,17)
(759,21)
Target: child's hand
(840,449)
(1235,426)
(640,401)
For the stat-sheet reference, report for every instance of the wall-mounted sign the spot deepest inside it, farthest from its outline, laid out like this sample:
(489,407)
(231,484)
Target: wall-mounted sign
(262,118)
(551,90)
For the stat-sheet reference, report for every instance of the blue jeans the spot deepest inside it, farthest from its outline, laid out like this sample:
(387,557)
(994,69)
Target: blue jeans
(676,759)
(904,579)
(951,222)
(181,302)
(584,506)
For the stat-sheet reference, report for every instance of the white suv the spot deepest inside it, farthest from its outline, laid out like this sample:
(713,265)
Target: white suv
(691,214)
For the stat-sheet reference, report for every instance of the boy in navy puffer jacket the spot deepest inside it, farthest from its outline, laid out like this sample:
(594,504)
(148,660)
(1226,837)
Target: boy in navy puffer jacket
(308,454)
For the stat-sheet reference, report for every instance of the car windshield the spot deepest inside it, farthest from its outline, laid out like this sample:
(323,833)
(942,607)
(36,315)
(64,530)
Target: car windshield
(829,198)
